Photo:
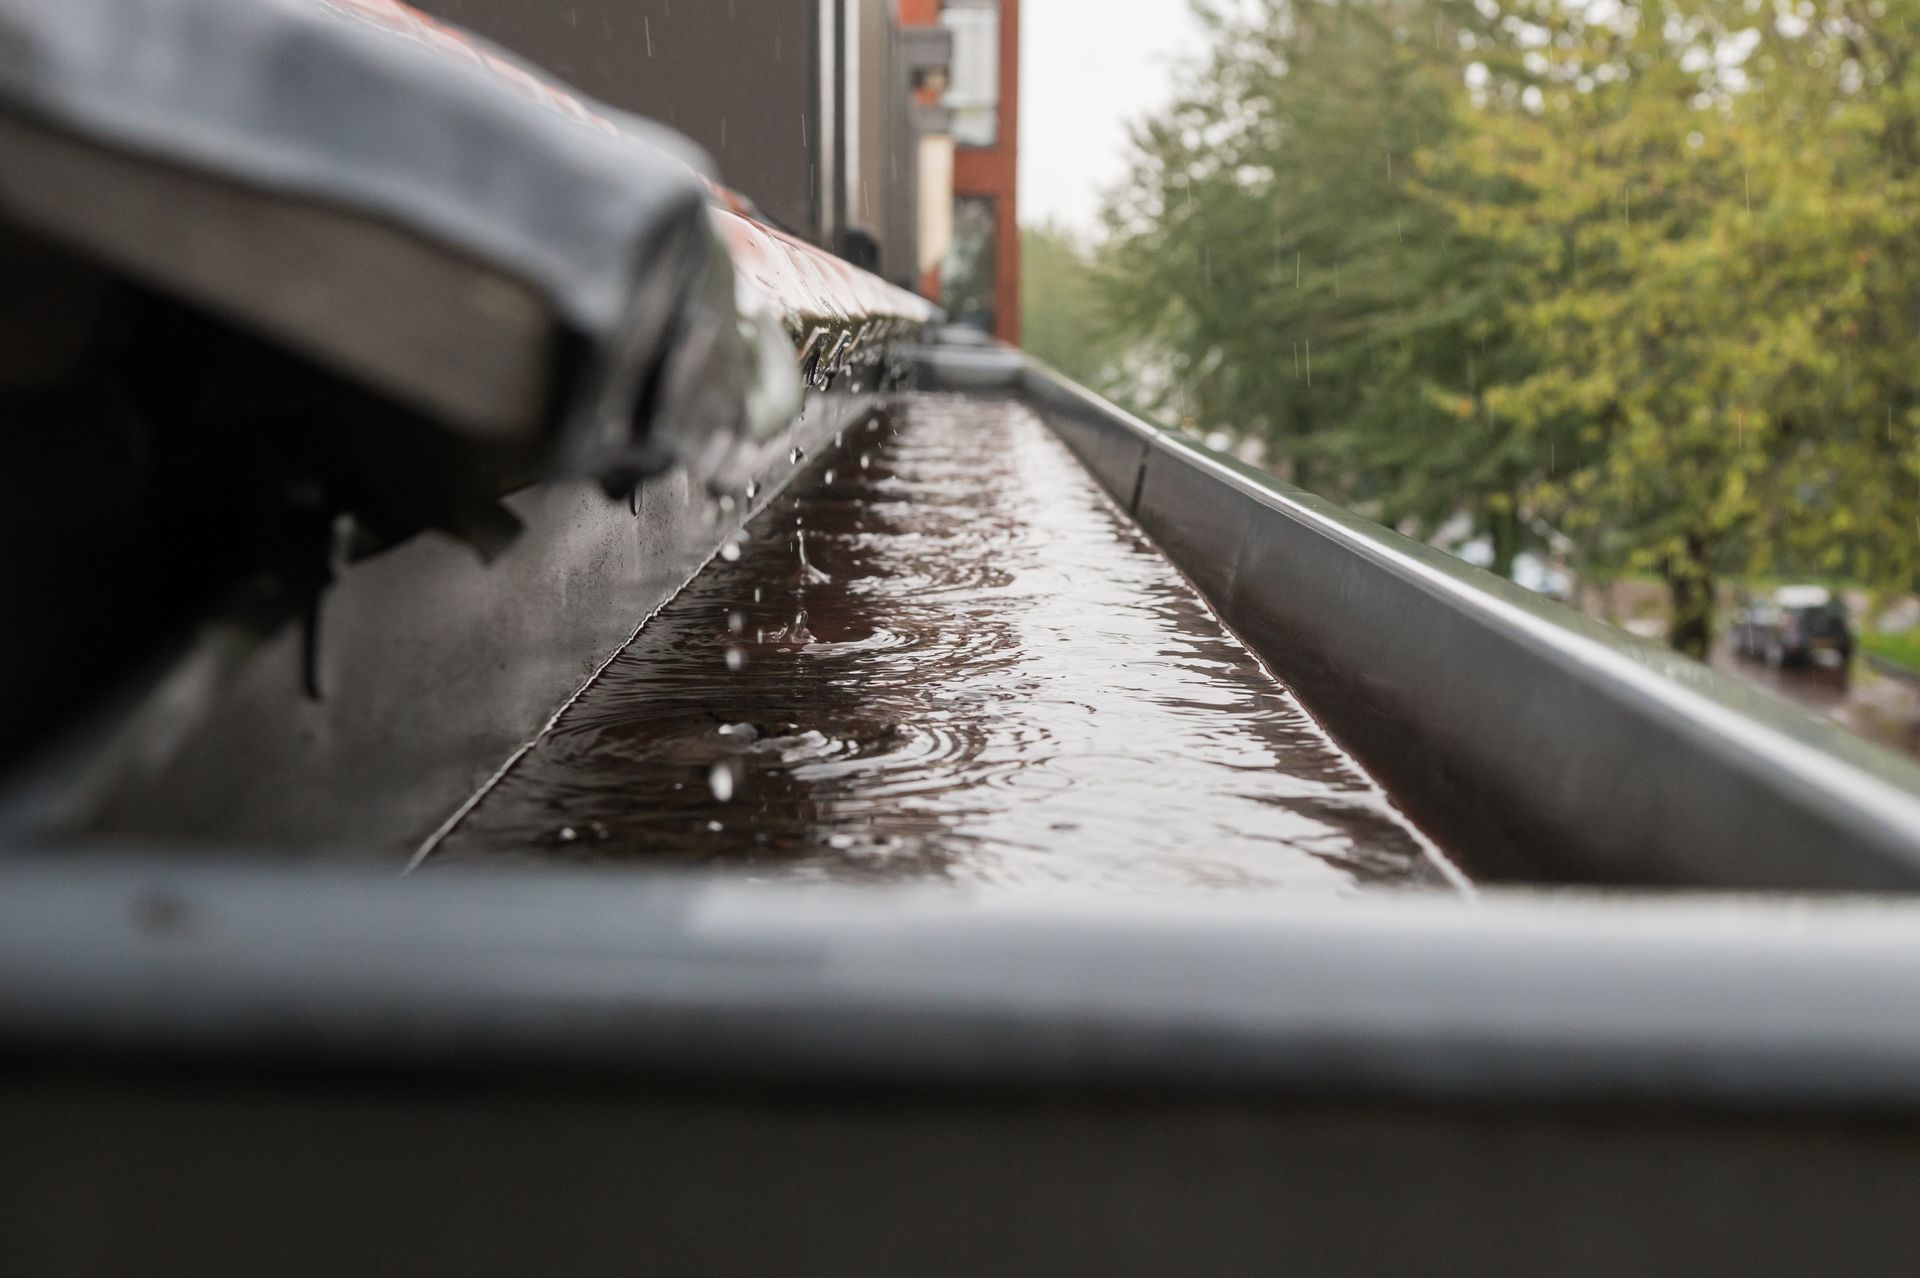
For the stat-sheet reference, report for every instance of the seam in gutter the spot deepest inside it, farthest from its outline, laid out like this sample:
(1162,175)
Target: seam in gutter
(1139,486)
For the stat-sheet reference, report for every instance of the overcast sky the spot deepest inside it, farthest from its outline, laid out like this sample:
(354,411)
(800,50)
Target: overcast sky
(1088,68)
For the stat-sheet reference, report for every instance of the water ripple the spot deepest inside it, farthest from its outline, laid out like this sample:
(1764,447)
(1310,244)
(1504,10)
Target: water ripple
(956,661)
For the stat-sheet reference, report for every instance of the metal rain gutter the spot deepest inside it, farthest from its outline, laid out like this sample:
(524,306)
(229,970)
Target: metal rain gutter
(1535,743)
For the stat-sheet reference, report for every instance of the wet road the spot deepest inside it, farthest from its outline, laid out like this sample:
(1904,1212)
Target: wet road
(1877,706)
(946,656)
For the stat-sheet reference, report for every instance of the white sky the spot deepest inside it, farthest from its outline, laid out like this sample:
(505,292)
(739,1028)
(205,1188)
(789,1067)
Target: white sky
(1088,68)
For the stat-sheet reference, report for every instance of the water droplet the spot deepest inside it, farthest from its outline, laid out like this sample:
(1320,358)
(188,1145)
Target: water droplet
(797,456)
(753,489)
(715,827)
(568,834)
(756,594)
(736,622)
(726,503)
(864,459)
(829,477)
(720,781)
(840,841)
(730,550)
(736,659)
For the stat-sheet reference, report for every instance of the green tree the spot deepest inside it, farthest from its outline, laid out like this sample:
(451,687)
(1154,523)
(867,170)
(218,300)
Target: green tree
(1715,325)
(1061,316)
(1278,247)
(1643,271)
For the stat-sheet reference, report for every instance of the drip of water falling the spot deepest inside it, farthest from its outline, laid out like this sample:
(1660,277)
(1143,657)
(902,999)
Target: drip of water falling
(808,574)
(720,781)
(736,659)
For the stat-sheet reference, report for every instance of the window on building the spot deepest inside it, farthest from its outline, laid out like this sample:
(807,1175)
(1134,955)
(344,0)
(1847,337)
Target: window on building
(974,94)
(967,278)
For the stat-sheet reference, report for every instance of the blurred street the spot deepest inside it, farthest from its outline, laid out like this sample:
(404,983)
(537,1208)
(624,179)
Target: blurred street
(1863,698)
(1879,706)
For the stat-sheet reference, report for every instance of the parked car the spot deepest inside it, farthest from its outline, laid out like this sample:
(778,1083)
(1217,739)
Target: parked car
(1789,628)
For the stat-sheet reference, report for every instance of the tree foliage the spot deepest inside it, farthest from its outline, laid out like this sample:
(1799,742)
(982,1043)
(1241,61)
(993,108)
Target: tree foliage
(1062,320)
(1639,271)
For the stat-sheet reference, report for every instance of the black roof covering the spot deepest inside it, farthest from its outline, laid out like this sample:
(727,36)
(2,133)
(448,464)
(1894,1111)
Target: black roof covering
(329,102)
(403,204)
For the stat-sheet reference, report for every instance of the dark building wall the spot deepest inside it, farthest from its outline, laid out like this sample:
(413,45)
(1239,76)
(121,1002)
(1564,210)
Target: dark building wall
(883,194)
(739,77)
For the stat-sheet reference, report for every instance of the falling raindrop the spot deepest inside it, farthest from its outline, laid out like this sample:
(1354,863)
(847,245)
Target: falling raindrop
(828,476)
(568,834)
(720,781)
(864,458)
(714,827)
(753,489)
(730,550)
(736,622)
(736,659)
